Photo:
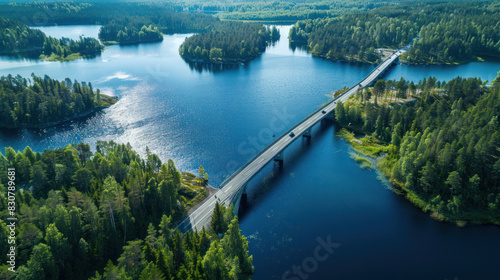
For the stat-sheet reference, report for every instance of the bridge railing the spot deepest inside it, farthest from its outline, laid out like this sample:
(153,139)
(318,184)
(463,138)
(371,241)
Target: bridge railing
(224,183)
(388,58)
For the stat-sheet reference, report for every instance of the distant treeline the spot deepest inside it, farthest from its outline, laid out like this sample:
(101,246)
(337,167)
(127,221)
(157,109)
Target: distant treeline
(25,103)
(17,38)
(230,42)
(111,215)
(271,10)
(443,148)
(70,13)
(105,11)
(454,32)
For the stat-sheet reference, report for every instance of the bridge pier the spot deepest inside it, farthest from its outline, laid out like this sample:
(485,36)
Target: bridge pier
(307,133)
(237,199)
(279,157)
(330,116)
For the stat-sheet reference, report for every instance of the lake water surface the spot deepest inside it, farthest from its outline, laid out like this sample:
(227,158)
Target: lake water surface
(220,118)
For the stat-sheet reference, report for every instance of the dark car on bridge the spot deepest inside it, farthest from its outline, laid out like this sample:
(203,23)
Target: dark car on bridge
(324,112)
(291,134)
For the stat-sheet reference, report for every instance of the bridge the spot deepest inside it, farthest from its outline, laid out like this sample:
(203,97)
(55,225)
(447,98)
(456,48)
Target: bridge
(231,190)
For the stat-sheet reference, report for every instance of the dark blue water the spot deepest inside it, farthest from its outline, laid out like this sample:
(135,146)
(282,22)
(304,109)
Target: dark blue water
(220,118)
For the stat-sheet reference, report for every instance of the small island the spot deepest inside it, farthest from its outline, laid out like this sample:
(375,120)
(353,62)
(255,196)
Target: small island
(116,33)
(229,43)
(16,38)
(40,102)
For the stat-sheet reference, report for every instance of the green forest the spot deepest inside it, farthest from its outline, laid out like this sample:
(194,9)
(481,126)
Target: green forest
(229,43)
(266,10)
(455,32)
(286,10)
(442,142)
(130,34)
(40,101)
(18,39)
(111,215)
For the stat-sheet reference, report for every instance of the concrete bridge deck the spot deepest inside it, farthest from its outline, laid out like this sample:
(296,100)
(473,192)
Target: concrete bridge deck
(233,187)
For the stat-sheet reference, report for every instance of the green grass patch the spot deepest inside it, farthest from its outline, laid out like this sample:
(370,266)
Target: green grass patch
(54,57)
(367,146)
(110,42)
(364,162)
(193,189)
(197,199)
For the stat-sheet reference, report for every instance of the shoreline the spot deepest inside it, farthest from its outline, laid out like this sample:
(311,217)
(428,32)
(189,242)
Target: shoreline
(54,123)
(220,62)
(110,43)
(381,166)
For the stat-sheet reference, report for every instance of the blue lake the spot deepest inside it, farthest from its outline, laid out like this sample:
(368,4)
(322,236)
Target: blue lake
(220,117)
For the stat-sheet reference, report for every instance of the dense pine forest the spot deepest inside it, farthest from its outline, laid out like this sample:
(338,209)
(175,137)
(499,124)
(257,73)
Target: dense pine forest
(111,215)
(17,38)
(231,42)
(442,142)
(41,101)
(455,32)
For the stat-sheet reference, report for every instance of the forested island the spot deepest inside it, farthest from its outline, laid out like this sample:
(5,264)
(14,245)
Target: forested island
(131,34)
(133,23)
(441,140)
(456,32)
(18,39)
(231,42)
(123,23)
(152,19)
(149,26)
(45,101)
(111,215)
